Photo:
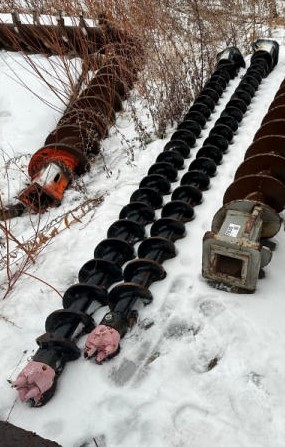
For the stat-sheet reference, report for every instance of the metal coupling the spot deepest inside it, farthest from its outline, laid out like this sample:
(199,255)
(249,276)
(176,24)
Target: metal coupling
(232,251)
(236,248)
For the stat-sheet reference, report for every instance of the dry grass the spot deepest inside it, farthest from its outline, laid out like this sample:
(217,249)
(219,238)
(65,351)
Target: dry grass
(16,261)
(176,45)
(179,40)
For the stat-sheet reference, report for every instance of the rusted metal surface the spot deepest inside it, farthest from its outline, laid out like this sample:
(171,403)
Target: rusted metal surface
(233,252)
(260,188)
(56,37)
(85,122)
(274,113)
(272,127)
(279,100)
(78,134)
(88,117)
(261,176)
(271,144)
(265,164)
(271,220)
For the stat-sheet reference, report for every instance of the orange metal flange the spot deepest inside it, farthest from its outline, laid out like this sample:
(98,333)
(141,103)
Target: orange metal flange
(51,169)
(72,158)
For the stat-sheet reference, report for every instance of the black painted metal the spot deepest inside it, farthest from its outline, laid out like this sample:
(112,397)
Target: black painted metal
(55,348)
(171,226)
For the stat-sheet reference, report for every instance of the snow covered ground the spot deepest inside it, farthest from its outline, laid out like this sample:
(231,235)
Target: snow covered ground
(158,391)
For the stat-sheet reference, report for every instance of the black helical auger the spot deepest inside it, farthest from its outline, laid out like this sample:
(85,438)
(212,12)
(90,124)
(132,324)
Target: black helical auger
(80,301)
(140,273)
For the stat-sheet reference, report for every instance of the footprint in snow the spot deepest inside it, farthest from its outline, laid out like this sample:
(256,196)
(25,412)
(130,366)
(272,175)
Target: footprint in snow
(210,307)
(180,283)
(5,114)
(251,405)
(55,427)
(178,328)
(151,343)
(205,353)
(196,426)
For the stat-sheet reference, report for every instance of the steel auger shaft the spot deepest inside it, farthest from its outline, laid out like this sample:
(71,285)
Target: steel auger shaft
(235,250)
(58,344)
(53,36)
(140,273)
(85,122)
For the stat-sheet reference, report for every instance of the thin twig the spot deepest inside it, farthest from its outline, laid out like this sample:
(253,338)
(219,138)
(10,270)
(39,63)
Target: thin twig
(44,282)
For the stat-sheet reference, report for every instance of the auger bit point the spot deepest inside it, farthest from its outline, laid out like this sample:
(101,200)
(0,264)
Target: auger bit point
(36,383)
(102,343)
